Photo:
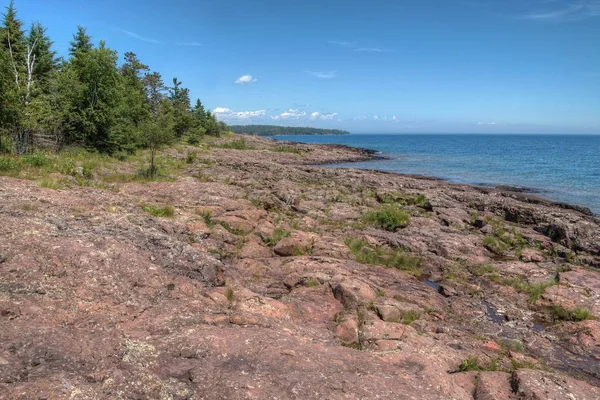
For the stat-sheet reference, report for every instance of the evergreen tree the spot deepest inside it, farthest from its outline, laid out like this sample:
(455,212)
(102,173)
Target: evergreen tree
(154,88)
(45,58)
(81,42)
(12,40)
(180,99)
(92,106)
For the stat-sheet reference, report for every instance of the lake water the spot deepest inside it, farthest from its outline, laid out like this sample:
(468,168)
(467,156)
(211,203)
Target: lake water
(562,167)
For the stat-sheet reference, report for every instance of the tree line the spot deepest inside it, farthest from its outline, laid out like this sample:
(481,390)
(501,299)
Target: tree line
(274,130)
(89,98)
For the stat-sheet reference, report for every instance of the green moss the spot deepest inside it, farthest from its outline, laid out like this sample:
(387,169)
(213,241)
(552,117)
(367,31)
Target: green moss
(388,217)
(495,245)
(366,254)
(165,211)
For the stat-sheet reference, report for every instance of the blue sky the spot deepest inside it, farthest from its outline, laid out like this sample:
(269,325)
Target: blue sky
(378,66)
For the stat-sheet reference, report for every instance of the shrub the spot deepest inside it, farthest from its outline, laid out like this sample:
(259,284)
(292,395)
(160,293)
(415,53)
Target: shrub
(8,164)
(366,254)
(36,160)
(388,217)
(191,157)
(87,171)
(159,211)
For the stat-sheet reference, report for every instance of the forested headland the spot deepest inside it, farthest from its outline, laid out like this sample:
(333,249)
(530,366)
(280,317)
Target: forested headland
(91,98)
(274,130)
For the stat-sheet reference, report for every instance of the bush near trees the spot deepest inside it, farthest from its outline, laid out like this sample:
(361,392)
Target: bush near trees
(89,99)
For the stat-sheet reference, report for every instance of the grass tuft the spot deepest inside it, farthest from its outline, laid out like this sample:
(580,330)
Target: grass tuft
(159,211)
(388,217)
(366,254)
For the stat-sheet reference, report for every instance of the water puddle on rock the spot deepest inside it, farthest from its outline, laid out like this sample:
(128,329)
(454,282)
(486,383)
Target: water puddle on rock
(492,314)
(432,285)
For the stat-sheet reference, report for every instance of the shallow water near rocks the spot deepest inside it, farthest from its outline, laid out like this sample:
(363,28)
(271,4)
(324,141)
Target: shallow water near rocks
(563,168)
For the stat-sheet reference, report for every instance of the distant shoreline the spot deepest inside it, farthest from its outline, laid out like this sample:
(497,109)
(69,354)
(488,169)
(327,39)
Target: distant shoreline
(276,130)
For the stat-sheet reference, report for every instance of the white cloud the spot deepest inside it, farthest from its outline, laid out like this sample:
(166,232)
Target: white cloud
(360,118)
(323,117)
(323,75)
(223,113)
(376,117)
(328,117)
(246,80)
(290,114)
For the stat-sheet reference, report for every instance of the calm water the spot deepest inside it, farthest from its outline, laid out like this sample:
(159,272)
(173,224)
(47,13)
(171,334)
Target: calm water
(563,167)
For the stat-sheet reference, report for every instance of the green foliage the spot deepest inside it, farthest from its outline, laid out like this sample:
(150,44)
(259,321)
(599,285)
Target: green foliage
(191,156)
(278,234)
(410,316)
(9,163)
(470,364)
(559,313)
(230,295)
(36,160)
(239,144)
(366,254)
(207,218)
(403,199)
(388,217)
(87,100)
(165,211)
(272,130)
(285,149)
(495,245)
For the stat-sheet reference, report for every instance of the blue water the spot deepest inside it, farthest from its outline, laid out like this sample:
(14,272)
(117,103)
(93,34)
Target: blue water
(563,167)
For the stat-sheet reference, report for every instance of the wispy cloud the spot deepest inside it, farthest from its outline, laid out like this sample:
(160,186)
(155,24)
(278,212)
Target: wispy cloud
(246,80)
(343,43)
(140,37)
(323,75)
(156,41)
(194,44)
(573,11)
(374,50)
(354,46)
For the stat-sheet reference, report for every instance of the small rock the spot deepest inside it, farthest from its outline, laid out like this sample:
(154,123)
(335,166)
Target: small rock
(347,332)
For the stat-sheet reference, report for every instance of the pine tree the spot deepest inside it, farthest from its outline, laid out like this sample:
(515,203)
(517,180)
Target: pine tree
(45,58)
(12,39)
(180,99)
(154,88)
(81,42)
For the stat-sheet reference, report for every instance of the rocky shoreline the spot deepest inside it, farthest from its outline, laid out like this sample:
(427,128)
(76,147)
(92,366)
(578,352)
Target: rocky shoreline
(279,278)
